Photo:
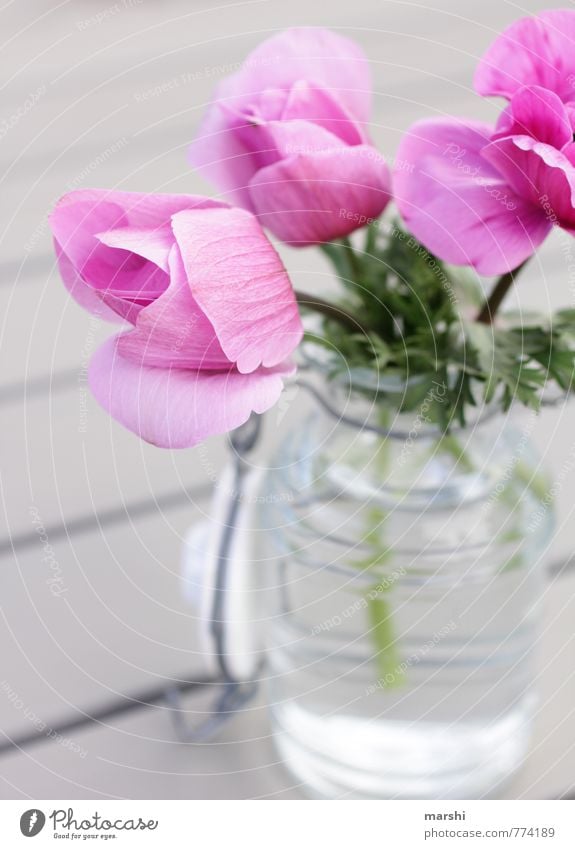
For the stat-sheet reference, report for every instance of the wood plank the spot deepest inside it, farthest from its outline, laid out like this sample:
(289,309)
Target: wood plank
(138,756)
(100,614)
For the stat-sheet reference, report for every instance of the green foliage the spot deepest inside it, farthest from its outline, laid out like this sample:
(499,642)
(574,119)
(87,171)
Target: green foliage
(416,315)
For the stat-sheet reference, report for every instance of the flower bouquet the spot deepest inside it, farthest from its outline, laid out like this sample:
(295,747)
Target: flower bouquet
(402,549)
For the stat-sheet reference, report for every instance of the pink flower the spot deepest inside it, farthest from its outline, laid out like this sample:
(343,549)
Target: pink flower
(213,316)
(539,50)
(488,197)
(285,138)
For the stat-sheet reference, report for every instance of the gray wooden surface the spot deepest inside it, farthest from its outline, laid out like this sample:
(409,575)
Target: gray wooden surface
(118,88)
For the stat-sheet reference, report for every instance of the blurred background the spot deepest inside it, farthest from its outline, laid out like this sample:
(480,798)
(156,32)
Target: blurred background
(108,93)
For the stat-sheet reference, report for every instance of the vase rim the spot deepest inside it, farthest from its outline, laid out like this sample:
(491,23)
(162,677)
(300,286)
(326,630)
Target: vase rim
(386,387)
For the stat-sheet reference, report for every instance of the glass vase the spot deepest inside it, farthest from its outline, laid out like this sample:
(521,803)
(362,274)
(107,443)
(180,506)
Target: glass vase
(404,572)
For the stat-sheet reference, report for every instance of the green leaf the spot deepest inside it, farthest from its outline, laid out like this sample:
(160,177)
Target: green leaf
(410,304)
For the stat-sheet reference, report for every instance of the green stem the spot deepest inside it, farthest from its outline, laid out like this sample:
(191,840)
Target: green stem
(334,253)
(496,297)
(331,311)
(382,631)
(371,238)
(533,481)
(339,258)
(379,608)
(345,261)
(354,262)
(451,445)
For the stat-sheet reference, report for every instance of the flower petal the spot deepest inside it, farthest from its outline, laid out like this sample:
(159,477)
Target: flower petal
(311,103)
(538,50)
(152,244)
(276,140)
(323,58)
(137,209)
(88,264)
(314,198)
(84,295)
(75,221)
(539,113)
(457,204)
(239,282)
(219,153)
(124,310)
(319,57)
(177,408)
(538,172)
(173,331)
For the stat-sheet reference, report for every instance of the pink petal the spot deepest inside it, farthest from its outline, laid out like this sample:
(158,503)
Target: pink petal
(537,172)
(457,204)
(539,50)
(173,331)
(152,244)
(569,153)
(239,282)
(310,103)
(138,209)
(178,408)
(275,140)
(124,310)
(74,222)
(270,104)
(539,113)
(130,276)
(321,57)
(90,264)
(570,107)
(225,152)
(220,155)
(309,199)
(84,295)
(307,119)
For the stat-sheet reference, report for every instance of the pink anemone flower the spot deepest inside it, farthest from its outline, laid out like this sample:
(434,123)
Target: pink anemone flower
(285,137)
(211,314)
(487,197)
(538,50)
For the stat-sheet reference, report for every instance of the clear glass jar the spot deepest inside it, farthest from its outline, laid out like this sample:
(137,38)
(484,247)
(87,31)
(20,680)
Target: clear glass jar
(403,600)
